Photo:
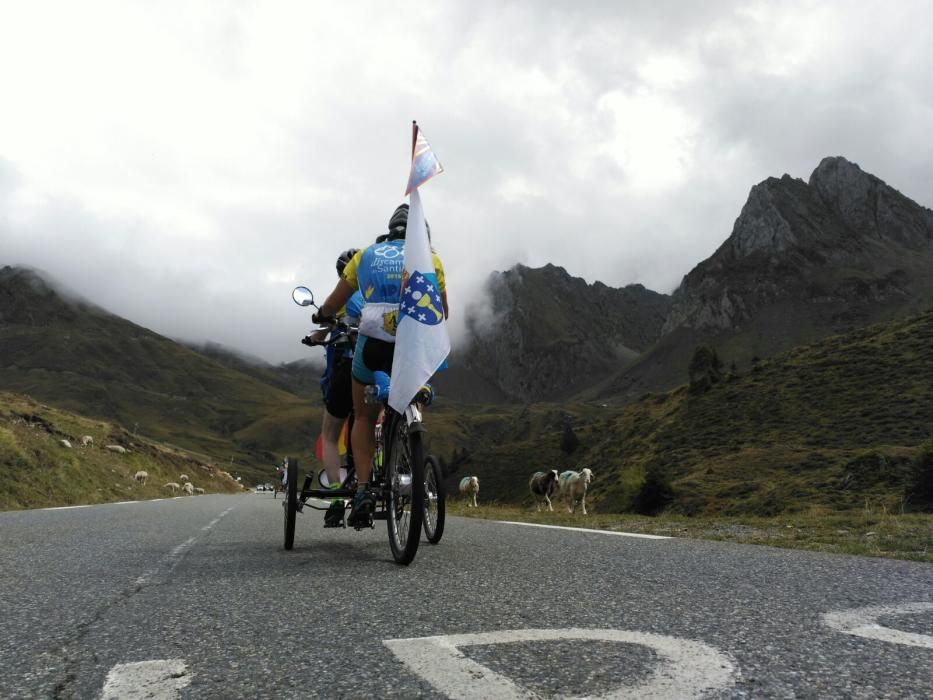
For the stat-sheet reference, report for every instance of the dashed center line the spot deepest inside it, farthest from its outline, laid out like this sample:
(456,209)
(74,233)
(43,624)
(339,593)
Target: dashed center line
(153,680)
(175,556)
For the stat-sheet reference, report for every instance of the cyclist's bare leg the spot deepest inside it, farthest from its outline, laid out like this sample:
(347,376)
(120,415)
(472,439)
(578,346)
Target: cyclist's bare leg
(330,433)
(362,437)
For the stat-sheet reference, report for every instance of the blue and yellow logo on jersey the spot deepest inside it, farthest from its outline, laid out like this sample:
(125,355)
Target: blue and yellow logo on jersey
(421,299)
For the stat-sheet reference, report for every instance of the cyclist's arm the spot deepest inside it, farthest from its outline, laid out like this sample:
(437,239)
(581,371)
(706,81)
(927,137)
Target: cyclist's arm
(337,299)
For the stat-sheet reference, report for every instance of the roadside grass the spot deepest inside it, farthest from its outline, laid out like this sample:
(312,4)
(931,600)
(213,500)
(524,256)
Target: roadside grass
(37,471)
(870,531)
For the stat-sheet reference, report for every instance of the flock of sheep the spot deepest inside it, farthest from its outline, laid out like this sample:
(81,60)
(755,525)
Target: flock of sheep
(88,441)
(569,486)
(141,477)
(186,487)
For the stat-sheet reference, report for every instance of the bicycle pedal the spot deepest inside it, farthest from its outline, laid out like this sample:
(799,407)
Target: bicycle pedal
(362,526)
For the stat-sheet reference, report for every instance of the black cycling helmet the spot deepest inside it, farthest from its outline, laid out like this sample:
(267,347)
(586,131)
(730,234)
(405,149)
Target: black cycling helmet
(398,222)
(345,257)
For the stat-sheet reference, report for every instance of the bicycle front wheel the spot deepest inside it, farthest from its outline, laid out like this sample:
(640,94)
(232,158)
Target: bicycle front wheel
(405,502)
(290,504)
(435,497)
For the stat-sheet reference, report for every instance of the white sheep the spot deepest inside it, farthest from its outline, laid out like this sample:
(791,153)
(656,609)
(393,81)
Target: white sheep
(173,486)
(141,477)
(119,449)
(188,488)
(573,486)
(469,487)
(87,441)
(198,489)
(65,443)
(184,477)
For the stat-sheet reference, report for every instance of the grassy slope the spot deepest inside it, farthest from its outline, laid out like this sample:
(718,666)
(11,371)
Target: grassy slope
(171,393)
(832,425)
(36,470)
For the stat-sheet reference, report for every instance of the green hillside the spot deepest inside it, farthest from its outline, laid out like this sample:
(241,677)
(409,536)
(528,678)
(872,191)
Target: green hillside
(38,470)
(836,425)
(78,357)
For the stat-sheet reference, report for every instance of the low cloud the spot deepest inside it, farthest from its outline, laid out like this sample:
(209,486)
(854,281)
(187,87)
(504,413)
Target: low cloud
(186,171)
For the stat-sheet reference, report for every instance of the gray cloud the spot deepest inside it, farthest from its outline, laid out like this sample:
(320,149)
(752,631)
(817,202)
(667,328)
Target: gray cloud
(187,172)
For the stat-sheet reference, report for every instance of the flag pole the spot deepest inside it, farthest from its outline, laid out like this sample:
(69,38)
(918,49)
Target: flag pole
(414,137)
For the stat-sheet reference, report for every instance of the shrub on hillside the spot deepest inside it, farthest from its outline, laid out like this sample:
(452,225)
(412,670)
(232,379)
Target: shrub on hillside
(655,492)
(705,369)
(919,488)
(569,440)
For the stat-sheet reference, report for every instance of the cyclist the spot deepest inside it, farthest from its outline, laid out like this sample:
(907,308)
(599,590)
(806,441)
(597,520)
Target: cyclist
(338,398)
(377,272)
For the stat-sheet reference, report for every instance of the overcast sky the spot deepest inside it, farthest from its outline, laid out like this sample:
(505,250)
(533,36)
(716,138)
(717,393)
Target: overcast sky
(185,164)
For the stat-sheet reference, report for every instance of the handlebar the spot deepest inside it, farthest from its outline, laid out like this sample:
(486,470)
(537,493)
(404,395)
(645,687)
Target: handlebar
(345,335)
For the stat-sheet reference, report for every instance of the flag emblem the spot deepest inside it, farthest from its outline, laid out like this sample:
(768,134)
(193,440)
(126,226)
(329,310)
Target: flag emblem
(424,164)
(421,299)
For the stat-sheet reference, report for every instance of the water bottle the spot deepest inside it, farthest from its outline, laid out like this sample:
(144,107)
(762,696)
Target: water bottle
(378,392)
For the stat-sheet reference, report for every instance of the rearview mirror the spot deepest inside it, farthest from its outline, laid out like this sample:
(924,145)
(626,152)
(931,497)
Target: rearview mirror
(303,296)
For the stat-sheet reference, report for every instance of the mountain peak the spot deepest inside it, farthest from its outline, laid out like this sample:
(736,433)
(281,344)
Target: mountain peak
(870,206)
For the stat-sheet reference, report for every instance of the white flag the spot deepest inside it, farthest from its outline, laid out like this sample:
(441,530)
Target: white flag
(421,340)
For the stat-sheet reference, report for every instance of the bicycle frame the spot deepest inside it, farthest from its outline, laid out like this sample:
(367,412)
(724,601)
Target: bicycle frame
(390,423)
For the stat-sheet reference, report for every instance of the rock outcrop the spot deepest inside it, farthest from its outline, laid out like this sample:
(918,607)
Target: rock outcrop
(845,238)
(546,334)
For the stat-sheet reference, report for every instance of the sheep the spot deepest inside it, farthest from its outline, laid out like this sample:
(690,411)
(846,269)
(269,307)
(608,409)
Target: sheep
(541,486)
(469,487)
(573,486)
(65,443)
(119,449)
(87,441)
(188,488)
(184,477)
(172,485)
(141,477)
(198,489)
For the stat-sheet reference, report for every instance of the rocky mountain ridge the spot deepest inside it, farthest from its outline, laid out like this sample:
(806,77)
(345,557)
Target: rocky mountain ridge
(548,334)
(804,260)
(845,236)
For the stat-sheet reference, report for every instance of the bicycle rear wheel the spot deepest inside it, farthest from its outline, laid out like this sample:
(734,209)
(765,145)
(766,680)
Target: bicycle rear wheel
(290,504)
(405,485)
(435,497)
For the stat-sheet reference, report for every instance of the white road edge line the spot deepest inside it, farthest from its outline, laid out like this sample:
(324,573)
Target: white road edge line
(155,680)
(584,529)
(115,503)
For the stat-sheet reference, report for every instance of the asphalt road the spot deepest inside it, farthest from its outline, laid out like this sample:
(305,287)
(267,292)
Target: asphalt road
(195,598)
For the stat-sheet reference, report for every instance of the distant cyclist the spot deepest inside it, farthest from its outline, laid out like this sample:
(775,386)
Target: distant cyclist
(377,272)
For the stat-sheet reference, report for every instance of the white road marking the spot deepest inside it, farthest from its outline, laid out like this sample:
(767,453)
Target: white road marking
(216,520)
(687,669)
(862,623)
(116,503)
(153,680)
(175,556)
(584,529)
